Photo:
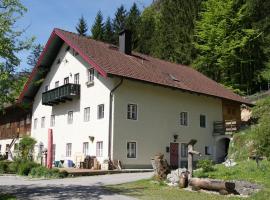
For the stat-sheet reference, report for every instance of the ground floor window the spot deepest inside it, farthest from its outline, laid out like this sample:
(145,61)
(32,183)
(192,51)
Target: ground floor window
(68,149)
(184,150)
(85,148)
(208,150)
(131,150)
(99,149)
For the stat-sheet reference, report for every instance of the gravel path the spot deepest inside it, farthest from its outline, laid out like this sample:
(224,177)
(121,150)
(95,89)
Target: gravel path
(89,187)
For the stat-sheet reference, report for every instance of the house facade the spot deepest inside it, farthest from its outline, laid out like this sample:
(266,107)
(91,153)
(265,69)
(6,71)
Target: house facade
(115,104)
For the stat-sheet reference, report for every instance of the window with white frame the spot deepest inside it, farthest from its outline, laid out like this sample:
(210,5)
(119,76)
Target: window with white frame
(66,80)
(183,118)
(47,87)
(184,150)
(132,111)
(91,75)
(85,148)
(100,113)
(52,121)
(53,152)
(35,123)
(77,78)
(68,149)
(99,149)
(131,150)
(42,122)
(202,121)
(86,117)
(70,117)
(56,84)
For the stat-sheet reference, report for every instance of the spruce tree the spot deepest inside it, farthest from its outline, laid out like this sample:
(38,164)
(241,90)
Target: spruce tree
(98,27)
(34,55)
(108,32)
(82,27)
(133,23)
(119,22)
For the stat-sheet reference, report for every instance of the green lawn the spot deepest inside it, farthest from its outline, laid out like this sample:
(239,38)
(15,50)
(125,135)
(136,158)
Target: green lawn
(7,197)
(148,189)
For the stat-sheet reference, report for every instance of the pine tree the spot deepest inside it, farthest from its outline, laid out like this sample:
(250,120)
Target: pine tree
(34,55)
(119,22)
(133,23)
(98,27)
(108,32)
(82,27)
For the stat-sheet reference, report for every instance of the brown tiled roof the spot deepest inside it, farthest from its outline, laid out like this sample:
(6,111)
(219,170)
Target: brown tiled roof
(108,60)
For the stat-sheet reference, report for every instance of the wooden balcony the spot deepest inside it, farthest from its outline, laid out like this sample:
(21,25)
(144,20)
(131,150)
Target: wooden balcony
(225,127)
(61,94)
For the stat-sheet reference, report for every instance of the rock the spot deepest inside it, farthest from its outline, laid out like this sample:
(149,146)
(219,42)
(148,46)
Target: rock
(229,163)
(174,176)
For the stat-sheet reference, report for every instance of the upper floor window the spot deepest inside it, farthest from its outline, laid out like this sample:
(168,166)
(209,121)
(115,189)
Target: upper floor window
(68,149)
(131,150)
(99,149)
(77,78)
(35,123)
(183,118)
(91,74)
(56,84)
(202,121)
(85,148)
(66,80)
(47,87)
(52,120)
(184,150)
(132,111)
(43,122)
(100,111)
(86,117)
(70,117)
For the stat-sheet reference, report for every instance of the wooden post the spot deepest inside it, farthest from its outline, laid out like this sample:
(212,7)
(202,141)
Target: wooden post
(191,152)
(50,146)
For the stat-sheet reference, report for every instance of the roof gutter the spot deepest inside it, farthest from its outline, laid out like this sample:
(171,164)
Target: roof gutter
(110,117)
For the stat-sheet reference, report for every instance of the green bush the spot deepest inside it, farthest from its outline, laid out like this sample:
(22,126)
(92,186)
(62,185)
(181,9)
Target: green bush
(44,172)
(4,165)
(206,165)
(24,168)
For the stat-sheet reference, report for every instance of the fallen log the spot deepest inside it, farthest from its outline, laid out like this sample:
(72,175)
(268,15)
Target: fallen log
(223,187)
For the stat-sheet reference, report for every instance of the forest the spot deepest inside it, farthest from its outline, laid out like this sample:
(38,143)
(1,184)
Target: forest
(227,40)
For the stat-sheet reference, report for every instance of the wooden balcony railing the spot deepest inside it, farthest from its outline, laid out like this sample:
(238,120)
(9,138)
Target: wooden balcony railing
(61,94)
(225,127)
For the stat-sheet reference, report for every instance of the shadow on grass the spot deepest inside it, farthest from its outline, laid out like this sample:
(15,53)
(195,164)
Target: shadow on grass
(58,192)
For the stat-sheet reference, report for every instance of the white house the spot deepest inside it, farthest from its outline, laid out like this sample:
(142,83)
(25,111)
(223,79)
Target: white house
(109,102)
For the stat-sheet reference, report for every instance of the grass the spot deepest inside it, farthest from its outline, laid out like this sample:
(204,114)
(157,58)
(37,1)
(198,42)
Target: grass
(149,189)
(7,197)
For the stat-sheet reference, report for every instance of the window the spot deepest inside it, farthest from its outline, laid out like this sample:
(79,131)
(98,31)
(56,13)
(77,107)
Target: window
(35,123)
(52,120)
(131,149)
(47,87)
(208,150)
(56,84)
(28,119)
(43,122)
(99,149)
(86,114)
(100,111)
(85,148)
(66,80)
(183,118)
(70,117)
(77,78)
(202,121)
(184,150)
(68,149)
(132,111)
(53,152)
(90,75)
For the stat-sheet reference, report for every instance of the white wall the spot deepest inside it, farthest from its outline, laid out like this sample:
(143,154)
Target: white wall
(92,96)
(158,121)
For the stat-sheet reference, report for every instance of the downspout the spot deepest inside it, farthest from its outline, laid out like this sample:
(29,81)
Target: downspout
(110,118)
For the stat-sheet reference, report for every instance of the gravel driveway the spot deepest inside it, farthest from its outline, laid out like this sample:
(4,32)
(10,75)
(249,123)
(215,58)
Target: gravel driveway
(89,187)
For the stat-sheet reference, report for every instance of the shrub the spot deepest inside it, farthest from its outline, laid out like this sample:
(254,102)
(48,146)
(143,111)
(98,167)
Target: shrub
(26,147)
(42,171)
(206,165)
(24,168)
(63,174)
(4,165)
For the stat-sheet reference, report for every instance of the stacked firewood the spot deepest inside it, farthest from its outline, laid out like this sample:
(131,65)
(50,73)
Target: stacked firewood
(160,166)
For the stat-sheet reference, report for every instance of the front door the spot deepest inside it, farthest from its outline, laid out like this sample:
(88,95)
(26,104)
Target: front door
(174,157)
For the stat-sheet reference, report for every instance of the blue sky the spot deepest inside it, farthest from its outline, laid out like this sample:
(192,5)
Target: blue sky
(44,15)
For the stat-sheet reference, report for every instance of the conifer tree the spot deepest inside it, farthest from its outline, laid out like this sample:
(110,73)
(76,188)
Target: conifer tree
(82,27)
(98,27)
(108,32)
(119,22)
(34,55)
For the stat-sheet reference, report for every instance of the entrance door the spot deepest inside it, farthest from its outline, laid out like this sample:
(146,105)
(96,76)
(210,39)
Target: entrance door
(174,157)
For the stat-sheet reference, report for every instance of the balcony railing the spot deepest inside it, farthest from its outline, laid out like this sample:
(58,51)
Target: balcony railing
(225,127)
(61,94)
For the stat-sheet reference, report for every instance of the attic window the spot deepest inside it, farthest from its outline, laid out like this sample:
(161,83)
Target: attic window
(173,78)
